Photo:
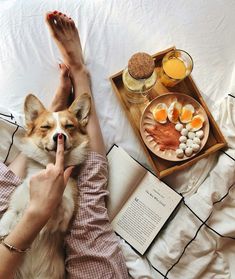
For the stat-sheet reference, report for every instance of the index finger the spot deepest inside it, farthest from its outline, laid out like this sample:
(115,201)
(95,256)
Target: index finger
(59,160)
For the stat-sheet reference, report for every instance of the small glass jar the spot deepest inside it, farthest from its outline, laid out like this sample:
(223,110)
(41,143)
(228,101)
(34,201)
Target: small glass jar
(142,66)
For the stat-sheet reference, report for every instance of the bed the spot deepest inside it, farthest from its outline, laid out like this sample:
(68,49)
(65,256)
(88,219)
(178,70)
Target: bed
(199,241)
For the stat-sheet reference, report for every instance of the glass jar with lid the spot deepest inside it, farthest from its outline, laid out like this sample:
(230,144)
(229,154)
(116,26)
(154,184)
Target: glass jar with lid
(139,77)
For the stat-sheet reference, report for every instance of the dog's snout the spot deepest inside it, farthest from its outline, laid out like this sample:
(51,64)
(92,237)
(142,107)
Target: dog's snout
(55,137)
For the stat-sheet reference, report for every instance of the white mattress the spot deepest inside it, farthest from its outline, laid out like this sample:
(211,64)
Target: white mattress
(111,31)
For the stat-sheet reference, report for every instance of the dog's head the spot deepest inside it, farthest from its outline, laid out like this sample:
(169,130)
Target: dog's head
(43,127)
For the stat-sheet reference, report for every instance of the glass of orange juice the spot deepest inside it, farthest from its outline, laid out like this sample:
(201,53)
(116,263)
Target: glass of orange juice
(176,65)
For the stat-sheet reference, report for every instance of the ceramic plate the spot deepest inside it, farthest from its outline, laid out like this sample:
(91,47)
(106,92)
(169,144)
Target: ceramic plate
(147,121)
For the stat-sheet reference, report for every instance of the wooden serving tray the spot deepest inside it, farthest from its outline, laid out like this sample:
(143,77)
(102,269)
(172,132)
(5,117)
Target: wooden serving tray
(160,166)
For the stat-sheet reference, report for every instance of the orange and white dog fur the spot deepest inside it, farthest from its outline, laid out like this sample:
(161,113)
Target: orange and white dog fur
(45,259)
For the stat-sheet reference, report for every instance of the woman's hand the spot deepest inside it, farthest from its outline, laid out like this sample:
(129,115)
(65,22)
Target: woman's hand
(47,187)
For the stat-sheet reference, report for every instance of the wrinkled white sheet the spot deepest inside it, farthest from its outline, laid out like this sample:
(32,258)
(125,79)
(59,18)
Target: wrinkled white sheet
(111,31)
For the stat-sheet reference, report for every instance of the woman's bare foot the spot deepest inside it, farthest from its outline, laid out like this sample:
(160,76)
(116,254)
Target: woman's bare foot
(66,36)
(62,97)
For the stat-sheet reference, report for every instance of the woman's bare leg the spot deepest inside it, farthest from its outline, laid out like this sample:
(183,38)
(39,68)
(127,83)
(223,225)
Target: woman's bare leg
(61,98)
(66,36)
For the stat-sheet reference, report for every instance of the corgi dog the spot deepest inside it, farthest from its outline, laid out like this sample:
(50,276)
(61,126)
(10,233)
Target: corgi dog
(45,259)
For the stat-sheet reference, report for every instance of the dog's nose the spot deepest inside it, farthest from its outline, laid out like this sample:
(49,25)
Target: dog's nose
(55,137)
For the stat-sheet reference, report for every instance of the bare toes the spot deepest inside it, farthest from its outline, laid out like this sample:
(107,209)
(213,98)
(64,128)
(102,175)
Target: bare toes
(59,21)
(71,24)
(50,20)
(67,22)
(55,21)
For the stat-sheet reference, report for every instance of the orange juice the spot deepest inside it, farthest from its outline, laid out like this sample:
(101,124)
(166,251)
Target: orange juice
(176,65)
(175,68)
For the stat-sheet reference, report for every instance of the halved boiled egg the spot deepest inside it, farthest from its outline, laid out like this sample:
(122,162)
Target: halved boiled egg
(174,111)
(187,113)
(160,113)
(196,123)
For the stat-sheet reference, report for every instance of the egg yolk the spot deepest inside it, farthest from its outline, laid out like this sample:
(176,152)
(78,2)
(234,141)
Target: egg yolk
(186,115)
(175,114)
(160,115)
(196,123)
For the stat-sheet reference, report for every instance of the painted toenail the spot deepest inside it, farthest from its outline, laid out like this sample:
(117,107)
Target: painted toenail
(55,12)
(64,14)
(50,16)
(60,13)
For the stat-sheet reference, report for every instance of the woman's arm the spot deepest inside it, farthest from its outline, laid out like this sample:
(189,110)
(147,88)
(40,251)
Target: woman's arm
(46,190)
(21,237)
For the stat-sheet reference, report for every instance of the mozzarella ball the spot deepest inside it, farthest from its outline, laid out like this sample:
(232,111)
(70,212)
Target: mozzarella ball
(183,146)
(182,139)
(188,151)
(179,153)
(200,134)
(179,127)
(189,142)
(191,135)
(188,127)
(184,132)
(197,140)
(195,147)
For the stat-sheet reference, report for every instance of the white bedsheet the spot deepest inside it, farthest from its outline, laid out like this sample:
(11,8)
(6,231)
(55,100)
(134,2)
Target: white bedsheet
(111,31)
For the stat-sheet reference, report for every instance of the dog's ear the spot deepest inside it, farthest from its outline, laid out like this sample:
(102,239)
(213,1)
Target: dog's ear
(32,108)
(81,107)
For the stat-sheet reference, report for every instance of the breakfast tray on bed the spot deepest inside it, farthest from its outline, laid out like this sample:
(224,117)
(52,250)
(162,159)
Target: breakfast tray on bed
(160,166)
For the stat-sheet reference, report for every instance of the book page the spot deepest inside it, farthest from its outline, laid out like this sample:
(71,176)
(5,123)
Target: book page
(145,213)
(124,175)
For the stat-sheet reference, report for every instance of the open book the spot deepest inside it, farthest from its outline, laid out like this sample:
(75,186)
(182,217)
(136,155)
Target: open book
(139,203)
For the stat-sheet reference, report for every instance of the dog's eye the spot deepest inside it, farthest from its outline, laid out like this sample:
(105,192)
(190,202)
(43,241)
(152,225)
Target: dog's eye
(45,127)
(69,126)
